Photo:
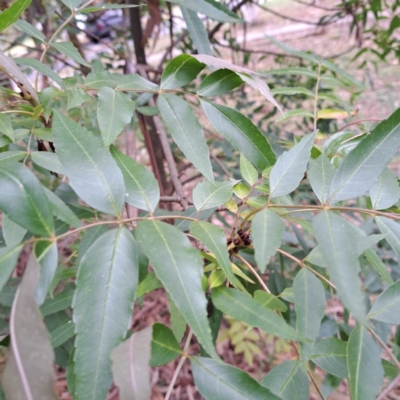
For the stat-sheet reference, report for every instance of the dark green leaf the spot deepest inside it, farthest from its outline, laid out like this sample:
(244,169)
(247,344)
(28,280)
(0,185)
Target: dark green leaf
(106,282)
(11,156)
(24,200)
(134,82)
(267,231)
(29,371)
(180,71)
(47,161)
(114,112)
(378,265)
(59,302)
(47,255)
(150,283)
(362,167)
(30,30)
(244,308)
(68,49)
(130,366)
(289,169)
(186,131)
(216,381)
(288,380)
(8,261)
(61,334)
(386,306)
(98,80)
(338,246)
(42,68)
(76,97)
(92,171)
(219,82)
(142,190)
(197,31)
(391,229)
(178,322)
(164,347)
(320,174)
(6,125)
(214,239)
(12,232)
(208,195)
(241,132)
(270,301)
(179,268)
(210,8)
(386,191)
(11,14)
(330,355)
(364,365)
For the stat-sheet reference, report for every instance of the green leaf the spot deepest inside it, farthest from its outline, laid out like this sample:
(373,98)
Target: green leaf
(24,200)
(76,97)
(197,31)
(249,173)
(12,232)
(59,302)
(214,239)
(267,232)
(178,322)
(134,82)
(289,169)
(164,346)
(378,265)
(241,190)
(98,80)
(30,30)
(338,246)
(386,306)
(295,113)
(309,301)
(391,229)
(106,282)
(106,6)
(47,161)
(364,365)
(130,366)
(71,377)
(293,71)
(216,380)
(288,380)
(8,260)
(42,68)
(320,174)
(209,195)
(142,190)
(61,210)
(11,156)
(68,49)
(114,112)
(179,267)
(210,8)
(72,4)
(61,334)
(148,284)
(92,171)
(180,71)
(386,191)
(187,132)
(244,308)
(250,77)
(270,301)
(330,355)
(29,371)
(6,126)
(11,14)
(219,82)
(362,167)
(241,133)
(292,91)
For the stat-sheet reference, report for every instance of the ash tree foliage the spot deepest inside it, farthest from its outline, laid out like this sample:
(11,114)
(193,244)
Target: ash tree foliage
(243,247)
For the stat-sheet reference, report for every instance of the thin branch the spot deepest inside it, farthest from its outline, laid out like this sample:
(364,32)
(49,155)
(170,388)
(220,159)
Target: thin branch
(395,382)
(385,348)
(180,365)
(310,375)
(359,121)
(253,271)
